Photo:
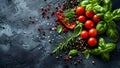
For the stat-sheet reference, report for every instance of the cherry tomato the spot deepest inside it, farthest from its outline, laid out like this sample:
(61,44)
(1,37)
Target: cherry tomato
(89,14)
(92,32)
(89,24)
(84,34)
(92,41)
(81,18)
(96,18)
(80,10)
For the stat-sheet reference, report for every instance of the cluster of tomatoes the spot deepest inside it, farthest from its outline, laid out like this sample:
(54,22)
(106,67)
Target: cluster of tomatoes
(89,19)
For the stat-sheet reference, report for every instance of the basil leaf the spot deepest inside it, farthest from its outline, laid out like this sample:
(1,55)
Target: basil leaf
(96,51)
(108,16)
(59,28)
(105,56)
(86,54)
(116,14)
(112,25)
(98,8)
(102,43)
(101,27)
(113,34)
(89,7)
(84,3)
(78,29)
(107,4)
(110,47)
(73,52)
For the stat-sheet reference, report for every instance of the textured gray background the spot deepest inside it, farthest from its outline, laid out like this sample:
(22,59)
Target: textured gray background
(22,46)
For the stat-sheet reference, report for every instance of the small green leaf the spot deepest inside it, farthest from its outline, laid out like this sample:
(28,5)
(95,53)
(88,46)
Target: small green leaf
(105,56)
(102,42)
(113,34)
(116,14)
(110,47)
(84,3)
(73,52)
(86,54)
(78,29)
(101,27)
(59,28)
(108,16)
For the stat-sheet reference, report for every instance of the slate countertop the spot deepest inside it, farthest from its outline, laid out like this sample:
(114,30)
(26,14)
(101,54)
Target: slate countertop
(22,46)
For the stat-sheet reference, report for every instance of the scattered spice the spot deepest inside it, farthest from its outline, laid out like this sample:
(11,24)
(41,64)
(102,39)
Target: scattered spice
(38,28)
(93,62)
(33,21)
(66,58)
(57,57)
(75,63)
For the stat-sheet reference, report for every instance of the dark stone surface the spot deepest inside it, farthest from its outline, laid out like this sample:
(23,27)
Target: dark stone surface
(22,46)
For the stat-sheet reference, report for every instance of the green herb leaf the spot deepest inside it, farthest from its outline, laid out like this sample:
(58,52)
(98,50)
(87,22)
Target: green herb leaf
(108,16)
(101,27)
(102,43)
(84,3)
(89,7)
(96,51)
(59,28)
(78,29)
(69,15)
(64,44)
(73,52)
(116,14)
(110,47)
(86,54)
(98,8)
(112,34)
(105,56)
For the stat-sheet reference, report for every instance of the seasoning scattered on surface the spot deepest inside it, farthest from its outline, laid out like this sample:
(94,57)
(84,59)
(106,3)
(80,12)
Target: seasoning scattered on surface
(93,62)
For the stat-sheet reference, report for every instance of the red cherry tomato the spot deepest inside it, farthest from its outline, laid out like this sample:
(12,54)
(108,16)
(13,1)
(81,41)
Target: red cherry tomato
(89,24)
(84,34)
(81,18)
(96,18)
(92,41)
(92,32)
(89,14)
(80,10)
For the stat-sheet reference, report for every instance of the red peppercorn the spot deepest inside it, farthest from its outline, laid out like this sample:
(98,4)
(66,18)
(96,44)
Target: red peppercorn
(61,11)
(66,58)
(47,17)
(43,12)
(30,17)
(38,28)
(54,28)
(63,8)
(57,19)
(58,23)
(58,4)
(33,21)
(52,13)
(64,30)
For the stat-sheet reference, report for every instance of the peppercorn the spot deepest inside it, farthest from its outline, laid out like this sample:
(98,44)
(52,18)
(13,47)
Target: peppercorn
(75,63)
(57,57)
(93,62)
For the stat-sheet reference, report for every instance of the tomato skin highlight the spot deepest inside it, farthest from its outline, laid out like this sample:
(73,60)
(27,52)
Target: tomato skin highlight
(84,34)
(89,13)
(89,24)
(80,10)
(92,32)
(92,41)
(96,18)
(81,19)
